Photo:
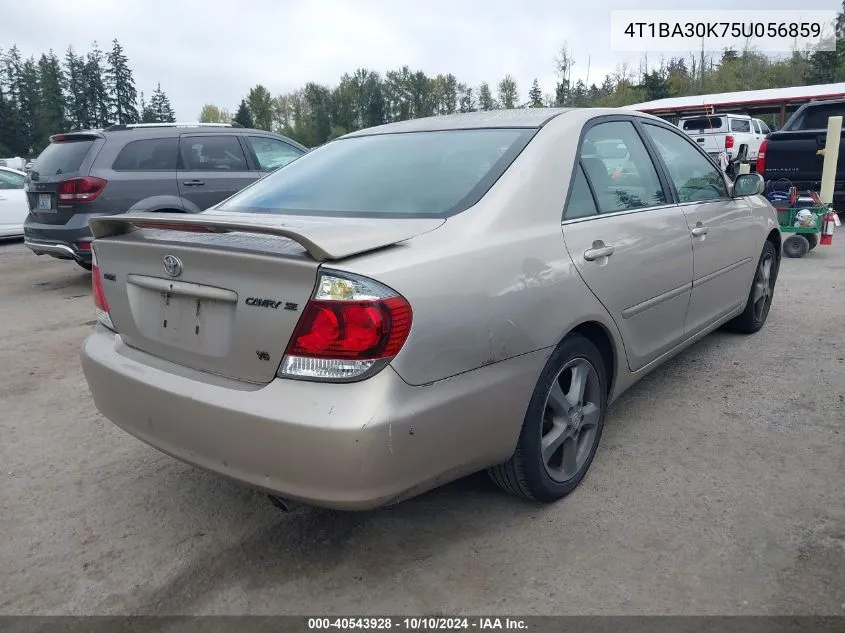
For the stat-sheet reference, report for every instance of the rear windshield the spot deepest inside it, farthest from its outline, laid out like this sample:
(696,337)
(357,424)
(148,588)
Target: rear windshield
(63,157)
(815,117)
(703,123)
(410,174)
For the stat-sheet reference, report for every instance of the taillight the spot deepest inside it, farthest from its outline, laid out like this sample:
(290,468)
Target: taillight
(761,157)
(351,328)
(81,189)
(729,142)
(100,304)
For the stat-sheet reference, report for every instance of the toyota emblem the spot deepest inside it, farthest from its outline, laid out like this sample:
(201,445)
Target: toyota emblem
(172,265)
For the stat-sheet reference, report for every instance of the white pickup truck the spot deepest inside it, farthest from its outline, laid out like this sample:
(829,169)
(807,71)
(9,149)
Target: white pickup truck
(739,135)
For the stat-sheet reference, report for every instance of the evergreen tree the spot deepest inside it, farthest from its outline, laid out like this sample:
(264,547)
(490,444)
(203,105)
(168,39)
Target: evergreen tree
(121,86)
(535,95)
(12,124)
(29,106)
(485,97)
(243,116)
(261,107)
(160,107)
(508,92)
(147,114)
(76,94)
(51,115)
(96,93)
(7,132)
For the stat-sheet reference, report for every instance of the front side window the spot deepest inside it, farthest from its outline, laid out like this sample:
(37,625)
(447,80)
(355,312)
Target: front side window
(407,174)
(272,153)
(212,153)
(625,180)
(147,155)
(695,178)
(11,180)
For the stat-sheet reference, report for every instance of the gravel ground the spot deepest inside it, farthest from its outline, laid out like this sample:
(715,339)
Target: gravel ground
(718,489)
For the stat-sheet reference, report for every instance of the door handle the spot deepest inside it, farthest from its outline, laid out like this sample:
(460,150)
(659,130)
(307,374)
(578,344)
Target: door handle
(193,183)
(699,231)
(598,250)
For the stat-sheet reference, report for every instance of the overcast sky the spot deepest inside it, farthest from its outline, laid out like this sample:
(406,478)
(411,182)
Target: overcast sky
(211,51)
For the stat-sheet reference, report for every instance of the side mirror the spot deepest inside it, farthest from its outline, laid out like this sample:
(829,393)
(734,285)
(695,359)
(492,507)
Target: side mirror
(748,185)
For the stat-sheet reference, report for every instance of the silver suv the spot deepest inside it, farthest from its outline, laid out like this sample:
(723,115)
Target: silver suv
(163,167)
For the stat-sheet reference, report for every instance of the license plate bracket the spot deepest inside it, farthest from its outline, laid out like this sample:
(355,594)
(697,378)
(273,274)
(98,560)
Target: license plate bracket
(45,202)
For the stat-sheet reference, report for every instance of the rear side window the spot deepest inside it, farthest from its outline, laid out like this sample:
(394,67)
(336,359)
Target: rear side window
(408,174)
(272,153)
(703,123)
(581,203)
(212,153)
(764,129)
(63,157)
(740,125)
(149,154)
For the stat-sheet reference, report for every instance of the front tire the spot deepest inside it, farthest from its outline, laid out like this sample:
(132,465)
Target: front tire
(761,294)
(562,426)
(86,265)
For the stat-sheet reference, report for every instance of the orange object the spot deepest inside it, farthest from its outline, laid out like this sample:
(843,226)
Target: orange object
(828,227)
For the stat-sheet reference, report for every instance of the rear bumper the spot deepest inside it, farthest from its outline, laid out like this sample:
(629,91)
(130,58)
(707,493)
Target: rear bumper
(348,446)
(59,240)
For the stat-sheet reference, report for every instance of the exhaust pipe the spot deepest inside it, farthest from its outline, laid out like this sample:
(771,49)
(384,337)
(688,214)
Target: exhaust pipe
(283,504)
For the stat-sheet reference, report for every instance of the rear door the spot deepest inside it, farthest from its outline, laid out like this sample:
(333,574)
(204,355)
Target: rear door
(66,157)
(142,168)
(630,244)
(722,229)
(212,167)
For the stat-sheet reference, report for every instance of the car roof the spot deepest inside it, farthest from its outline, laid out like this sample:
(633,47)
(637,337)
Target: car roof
(530,118)
(132,133)
(13,170)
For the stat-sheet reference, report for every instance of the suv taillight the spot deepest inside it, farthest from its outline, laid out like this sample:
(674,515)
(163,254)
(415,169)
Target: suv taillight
(81,189)
(729,142)
(351,328)
(761,157)
(100,304)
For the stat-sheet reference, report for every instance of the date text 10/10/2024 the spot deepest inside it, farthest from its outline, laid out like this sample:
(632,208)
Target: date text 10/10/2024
(418,624)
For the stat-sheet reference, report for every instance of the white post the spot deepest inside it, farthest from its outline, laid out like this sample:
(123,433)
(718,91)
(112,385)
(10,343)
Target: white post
(831,156)
(744,168)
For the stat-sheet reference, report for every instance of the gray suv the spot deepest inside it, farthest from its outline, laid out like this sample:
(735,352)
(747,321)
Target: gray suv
(167,167)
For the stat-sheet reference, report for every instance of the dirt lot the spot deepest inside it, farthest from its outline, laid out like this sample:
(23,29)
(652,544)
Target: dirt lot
(719,488)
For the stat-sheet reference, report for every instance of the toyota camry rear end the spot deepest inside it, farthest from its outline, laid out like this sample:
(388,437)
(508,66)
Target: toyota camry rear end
(304,337)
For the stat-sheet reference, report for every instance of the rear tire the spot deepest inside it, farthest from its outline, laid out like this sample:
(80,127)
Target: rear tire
(562,426)
(761,294)
(796,246)
(86,265)
(812,239)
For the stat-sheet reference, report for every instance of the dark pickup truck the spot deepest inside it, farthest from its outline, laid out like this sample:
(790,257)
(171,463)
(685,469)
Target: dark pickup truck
(793,152)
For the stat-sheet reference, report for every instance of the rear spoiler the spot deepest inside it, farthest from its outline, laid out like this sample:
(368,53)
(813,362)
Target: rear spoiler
(324,238)
(80,135)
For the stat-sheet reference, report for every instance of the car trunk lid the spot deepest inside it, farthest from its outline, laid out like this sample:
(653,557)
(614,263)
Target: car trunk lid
(223,293)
